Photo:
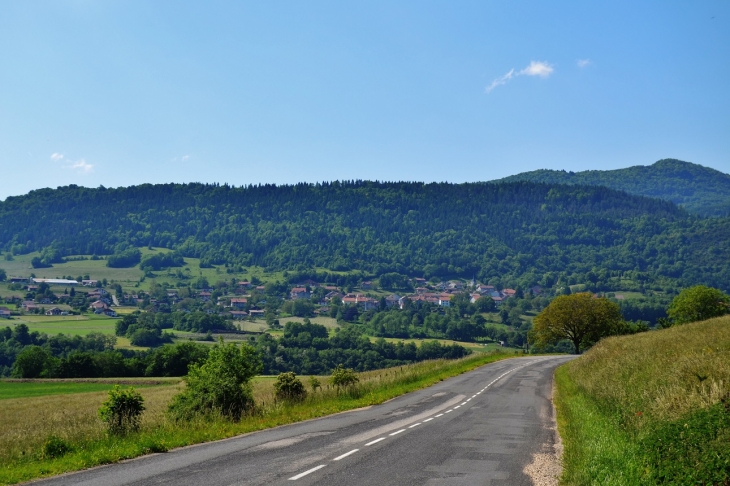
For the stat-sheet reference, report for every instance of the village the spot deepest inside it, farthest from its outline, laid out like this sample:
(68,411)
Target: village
(236,300)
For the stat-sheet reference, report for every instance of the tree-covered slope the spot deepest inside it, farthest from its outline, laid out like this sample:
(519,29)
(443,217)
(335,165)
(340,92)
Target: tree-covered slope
(517,232)
(699,189)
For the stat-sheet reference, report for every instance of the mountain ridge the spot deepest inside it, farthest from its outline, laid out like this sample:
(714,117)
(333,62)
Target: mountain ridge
(699,189)
(515,233)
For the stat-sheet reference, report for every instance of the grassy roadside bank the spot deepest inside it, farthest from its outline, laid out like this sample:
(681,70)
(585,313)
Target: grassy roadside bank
(653,408)
(22,455)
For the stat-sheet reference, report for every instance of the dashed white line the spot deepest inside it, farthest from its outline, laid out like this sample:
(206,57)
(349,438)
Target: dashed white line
(414,425)
(449,411)
(294,478)
(428,419)
(345,455)
(457,407)
(438,415)
(375,441)
(397,432)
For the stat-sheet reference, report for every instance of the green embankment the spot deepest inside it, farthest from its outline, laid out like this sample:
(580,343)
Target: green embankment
(652,408)
(89,446)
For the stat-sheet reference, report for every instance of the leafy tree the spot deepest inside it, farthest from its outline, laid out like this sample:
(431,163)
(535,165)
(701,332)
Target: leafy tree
(580,318)
(314,383)
(122,410)
(3,275)
(220,385)
(174,360)
(289,387)
(31,362)
(698,303)
(485,304)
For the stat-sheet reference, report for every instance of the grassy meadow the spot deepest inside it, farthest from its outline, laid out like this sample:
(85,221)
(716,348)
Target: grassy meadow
(652,408)
(72,417)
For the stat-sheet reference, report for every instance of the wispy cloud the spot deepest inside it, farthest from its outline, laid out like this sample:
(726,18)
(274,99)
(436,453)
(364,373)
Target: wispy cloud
(536,68)
(81,166)
(185,157)
(501,80)
(583,63)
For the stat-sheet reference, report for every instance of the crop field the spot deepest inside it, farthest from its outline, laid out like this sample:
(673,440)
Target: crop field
(81,325)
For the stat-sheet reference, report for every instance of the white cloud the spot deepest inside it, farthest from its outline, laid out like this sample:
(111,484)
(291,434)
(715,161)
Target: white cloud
(583,63)
(538,68)
(81,166)
(185,157)
(55,156)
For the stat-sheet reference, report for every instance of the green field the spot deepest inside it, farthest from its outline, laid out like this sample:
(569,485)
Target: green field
(39,388)
(129,278)
(81,325)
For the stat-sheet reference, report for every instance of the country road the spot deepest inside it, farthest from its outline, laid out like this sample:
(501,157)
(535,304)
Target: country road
(479,428)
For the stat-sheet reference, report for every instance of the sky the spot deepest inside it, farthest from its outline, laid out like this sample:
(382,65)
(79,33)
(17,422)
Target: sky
(117,93)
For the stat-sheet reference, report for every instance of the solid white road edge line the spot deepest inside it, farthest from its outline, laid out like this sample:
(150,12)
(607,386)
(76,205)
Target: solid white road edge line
(294,478)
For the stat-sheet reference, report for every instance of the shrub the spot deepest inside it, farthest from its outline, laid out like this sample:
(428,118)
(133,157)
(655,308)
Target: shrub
(314,383)
(55,447)
(289,387)
(122,410)
(220,385)
(343,377)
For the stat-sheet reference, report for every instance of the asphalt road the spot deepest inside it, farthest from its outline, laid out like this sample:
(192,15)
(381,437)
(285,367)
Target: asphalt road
(479,428)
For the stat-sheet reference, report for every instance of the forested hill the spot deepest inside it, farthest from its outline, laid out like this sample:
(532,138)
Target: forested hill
(699,189)
(519,233)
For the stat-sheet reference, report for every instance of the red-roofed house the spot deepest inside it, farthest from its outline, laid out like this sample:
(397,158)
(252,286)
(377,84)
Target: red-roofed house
(299,293)
(239,303)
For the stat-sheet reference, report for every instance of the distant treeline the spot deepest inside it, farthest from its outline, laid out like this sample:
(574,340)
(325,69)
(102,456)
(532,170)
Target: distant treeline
(305,348)
(515,233)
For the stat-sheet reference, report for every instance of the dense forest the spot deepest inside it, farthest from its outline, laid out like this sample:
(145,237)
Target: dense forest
(698,189)
(519,233)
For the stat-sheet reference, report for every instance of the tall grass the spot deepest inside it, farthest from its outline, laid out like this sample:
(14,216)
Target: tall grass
(73,418)
(652,408)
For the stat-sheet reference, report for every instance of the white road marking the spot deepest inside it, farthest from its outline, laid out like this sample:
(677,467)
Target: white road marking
(345,455)
(375,441)
(457,407)
(449,411)
(294,478)
(428,419)
(414,425)
(397,432)
(462,404)
(439,415)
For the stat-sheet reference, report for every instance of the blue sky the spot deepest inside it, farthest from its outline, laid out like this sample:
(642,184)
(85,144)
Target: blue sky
(125,92)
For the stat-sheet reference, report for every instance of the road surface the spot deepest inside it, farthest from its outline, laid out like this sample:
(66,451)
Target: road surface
(479,428)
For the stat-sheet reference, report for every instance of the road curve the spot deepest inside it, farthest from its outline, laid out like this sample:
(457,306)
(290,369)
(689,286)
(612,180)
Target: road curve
(479,428)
